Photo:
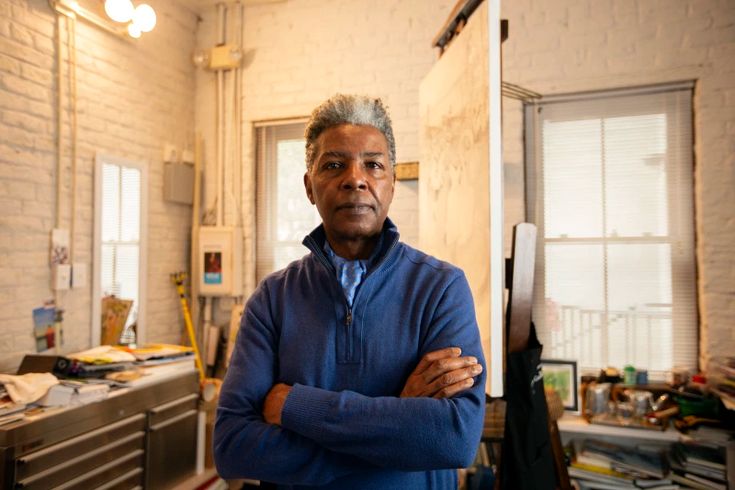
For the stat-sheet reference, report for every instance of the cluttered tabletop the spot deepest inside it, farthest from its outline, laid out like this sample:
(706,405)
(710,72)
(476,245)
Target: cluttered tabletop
(47,384)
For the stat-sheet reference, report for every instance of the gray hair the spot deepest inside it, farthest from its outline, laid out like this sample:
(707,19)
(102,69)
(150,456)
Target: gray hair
(348,109)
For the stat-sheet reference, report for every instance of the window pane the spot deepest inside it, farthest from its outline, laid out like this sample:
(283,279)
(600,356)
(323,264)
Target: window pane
(130,208)
(284,254)
(295,215)
(575,302)
(572,172)
(635,175)
(110,202)
(284,214)
(107,264)
(126,267)
(639,278)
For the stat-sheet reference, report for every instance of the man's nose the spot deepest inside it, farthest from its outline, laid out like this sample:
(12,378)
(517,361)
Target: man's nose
(354,177)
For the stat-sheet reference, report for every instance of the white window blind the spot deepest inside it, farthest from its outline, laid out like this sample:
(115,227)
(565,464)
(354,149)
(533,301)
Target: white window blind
(609,185)
(121,234)
(120,237)
(284,214)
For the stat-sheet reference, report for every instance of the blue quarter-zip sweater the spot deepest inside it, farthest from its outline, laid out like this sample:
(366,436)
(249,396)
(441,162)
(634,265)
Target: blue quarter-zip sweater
(344,425)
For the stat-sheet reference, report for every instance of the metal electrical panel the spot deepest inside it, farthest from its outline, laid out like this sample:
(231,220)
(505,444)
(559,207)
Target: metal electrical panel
(178,182)
(220,261)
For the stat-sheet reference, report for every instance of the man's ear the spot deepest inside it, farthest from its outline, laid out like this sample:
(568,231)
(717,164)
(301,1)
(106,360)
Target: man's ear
(307,186)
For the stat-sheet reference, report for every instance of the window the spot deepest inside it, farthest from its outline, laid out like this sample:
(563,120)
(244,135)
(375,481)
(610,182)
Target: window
(609,185)
(119,241)
(284,214)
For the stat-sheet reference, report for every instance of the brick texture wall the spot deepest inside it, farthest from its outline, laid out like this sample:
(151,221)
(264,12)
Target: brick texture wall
(132,97)
(568,46)
(300,52)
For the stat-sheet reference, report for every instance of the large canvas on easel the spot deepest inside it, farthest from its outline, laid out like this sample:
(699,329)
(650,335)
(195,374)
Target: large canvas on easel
(453,185)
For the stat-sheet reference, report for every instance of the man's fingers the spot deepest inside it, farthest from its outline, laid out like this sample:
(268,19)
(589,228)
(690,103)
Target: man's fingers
(451,390)
(452,378)
(433,356)
(447,365)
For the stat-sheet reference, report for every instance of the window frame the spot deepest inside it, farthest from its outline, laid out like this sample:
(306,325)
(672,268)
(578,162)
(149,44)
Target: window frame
(100,160)
(677,232)
(268,134)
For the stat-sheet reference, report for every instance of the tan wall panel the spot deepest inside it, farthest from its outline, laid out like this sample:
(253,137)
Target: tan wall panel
(453,188)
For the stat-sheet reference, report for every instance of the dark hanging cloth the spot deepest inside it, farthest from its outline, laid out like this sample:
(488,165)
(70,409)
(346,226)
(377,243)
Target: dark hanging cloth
(526,462)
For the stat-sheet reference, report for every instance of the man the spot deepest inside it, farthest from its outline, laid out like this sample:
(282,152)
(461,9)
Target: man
(358,366)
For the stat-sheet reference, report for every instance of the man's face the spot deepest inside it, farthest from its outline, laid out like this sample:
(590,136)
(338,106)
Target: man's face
(351,182)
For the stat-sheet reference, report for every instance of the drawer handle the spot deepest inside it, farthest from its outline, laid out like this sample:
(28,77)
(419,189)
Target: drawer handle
(182,416)
(180,401)
(120,479)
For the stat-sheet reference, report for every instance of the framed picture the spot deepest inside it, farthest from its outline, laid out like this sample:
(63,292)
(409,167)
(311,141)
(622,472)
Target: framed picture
(561,376)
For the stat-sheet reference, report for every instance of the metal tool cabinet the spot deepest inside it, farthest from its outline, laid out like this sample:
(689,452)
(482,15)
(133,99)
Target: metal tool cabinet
(142,438)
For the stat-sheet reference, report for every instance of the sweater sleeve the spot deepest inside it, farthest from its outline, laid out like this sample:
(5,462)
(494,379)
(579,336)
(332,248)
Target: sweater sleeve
(410,434)
(245,446)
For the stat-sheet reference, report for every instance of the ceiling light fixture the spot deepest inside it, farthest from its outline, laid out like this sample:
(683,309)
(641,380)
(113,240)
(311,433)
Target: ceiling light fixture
(144,17)
(119,10)
(134,20)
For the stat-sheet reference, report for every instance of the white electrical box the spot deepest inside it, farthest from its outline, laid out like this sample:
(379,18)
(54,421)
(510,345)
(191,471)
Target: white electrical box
(60,277)
(220,261)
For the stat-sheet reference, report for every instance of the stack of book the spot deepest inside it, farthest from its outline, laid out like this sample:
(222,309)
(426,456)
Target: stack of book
(698,465)
(154,354)
(598,464)
(99,361)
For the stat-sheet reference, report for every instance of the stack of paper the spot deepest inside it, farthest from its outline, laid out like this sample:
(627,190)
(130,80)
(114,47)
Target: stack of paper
(69,393)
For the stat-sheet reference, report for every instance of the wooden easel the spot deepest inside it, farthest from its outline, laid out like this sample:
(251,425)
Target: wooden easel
(519,275)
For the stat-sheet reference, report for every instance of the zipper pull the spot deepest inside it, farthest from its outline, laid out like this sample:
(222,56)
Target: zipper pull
(348,320)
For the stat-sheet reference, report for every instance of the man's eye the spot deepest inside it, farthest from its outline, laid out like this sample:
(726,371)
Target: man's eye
(374,164)
(332,165)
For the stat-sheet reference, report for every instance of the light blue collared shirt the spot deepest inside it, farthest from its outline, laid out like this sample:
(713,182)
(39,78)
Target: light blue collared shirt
(350,273)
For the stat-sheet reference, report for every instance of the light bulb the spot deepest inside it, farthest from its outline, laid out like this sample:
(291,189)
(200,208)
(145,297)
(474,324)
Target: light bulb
(119,10)
(133,30)
(144,17)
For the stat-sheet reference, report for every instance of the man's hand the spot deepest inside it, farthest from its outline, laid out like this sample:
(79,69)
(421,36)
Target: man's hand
(442,374)
(274,401)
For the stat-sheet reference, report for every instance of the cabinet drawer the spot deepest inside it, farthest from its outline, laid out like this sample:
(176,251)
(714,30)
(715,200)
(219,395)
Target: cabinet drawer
(83,464)
(172,450)
(161,413)
(98,476)
(91,444)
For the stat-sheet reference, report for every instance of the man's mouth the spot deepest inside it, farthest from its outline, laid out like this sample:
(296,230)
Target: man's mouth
(355,208)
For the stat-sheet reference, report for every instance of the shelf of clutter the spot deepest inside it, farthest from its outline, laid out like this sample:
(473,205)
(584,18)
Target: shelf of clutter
(672,435)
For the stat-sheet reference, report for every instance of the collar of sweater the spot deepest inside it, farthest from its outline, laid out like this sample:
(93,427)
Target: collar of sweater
(314,241)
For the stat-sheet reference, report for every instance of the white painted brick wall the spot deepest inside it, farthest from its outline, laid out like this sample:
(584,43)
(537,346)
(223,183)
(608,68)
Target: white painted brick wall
(300,52)
(135,96)
(132,97)
(566,46)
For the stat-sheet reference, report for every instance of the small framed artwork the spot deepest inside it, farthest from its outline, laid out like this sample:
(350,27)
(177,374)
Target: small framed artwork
(561,376)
